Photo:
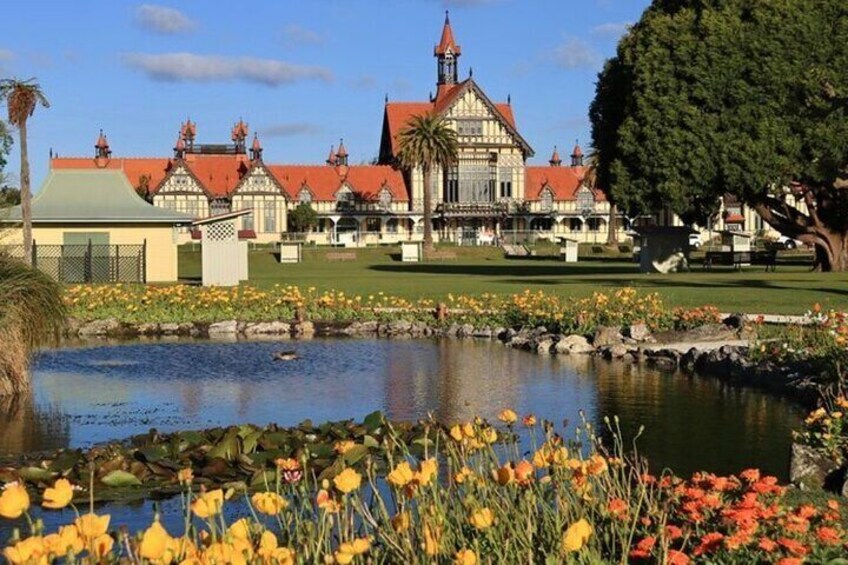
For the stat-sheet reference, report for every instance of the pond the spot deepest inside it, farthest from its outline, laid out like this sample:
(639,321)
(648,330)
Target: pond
(89,394)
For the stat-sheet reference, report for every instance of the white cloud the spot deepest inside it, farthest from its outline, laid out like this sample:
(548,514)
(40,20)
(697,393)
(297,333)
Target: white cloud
(291,129)
(574,54)
(295,34)
(611,29)
(190,67)
(161,19)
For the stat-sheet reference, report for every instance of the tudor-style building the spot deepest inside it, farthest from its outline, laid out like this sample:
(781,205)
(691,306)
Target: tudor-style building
(491,188)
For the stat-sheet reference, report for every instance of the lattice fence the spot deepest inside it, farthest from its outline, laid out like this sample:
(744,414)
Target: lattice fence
(87,263)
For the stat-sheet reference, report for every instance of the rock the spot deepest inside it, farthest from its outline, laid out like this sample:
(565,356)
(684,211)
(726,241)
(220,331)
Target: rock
(466,330)
(303,329)
(148,329)
(606,336)
(483,333)
(573,345)
(736,321)
(229,327)
(267,328)
(398,328)
(543,346)
(169,329)
(72,327)
(810,469)
(500,333)
(639,332)
(618,351)
(109,326)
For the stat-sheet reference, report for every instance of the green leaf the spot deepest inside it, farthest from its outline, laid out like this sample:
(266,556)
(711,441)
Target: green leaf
(370,441)
(36,474)
(120,479)
(373,421)
(355,453)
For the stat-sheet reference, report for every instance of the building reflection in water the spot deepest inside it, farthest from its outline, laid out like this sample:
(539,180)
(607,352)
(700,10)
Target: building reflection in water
(695,423)
(94,394)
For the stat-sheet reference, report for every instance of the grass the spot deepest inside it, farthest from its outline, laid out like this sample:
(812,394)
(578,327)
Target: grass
(793,289)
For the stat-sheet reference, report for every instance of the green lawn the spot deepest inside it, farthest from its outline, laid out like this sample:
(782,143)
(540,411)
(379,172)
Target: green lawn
(791,290)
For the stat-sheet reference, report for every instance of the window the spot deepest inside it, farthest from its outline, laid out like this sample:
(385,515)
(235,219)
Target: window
(474,183)
(304,196)
(542,224)
(345,198)
(594,224)
(220,207)
(547,200)
(470,128)
(505,175)
(193,208)
(575,224)
(392,226)
(452,185)
(373,225)
(181,180)
(269,217)
(247,220)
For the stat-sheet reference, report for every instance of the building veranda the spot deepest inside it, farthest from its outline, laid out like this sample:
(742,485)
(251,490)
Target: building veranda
(490,194)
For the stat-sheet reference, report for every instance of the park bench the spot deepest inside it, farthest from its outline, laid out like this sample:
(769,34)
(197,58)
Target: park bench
(737,259)
(341,256)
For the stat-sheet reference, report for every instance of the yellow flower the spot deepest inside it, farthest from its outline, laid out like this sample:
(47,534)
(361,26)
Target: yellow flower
(343,446)
(65,541)
(101,546)
(504,475)
(401,475)
(426,471)
(269,503)
(432,540)
(154,542)
(456,433)
(208,503)
(576,536)
(401,522)
(465,557)
(59,496)
(508,416)
(92,526)
(30,550)
(326,502)
(489,435)
(468,430)
(287,464)
(240,529)
(14,501)
(482,519)
(464,474)
(347,481)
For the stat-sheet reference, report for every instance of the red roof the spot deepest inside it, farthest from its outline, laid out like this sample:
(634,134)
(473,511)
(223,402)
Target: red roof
(134,167)
(447,41)
(219,174)
(578,152)
(735,219)
(323,181)
(555,157)
(398,114)
(563,181)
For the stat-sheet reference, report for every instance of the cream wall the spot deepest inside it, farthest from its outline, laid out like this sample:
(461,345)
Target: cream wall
(161,257)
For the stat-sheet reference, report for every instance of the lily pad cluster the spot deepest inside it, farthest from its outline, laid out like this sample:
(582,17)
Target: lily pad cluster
(241,457)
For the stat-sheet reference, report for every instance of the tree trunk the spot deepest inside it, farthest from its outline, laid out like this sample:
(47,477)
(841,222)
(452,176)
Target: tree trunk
(26,194)
(831,252)
(428,210)
(612,231)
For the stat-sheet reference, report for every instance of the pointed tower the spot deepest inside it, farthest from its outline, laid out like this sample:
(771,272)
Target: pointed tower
(341,155)
(577,155)
(180,147)
(102,153)
(447,52)
(555,160)
(256,148)
(188,131)
(239,136)
(331,158)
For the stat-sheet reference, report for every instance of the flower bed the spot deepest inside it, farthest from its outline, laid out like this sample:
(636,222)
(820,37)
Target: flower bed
(466,493)
(176,304)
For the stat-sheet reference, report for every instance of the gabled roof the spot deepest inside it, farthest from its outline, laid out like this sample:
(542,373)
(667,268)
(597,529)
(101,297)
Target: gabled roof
(260,165)
(564,182)
(324,181)
(217,174)
(133,167)
(94,196)
(398,114)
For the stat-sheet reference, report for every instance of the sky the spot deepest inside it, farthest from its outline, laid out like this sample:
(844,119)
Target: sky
(303,74)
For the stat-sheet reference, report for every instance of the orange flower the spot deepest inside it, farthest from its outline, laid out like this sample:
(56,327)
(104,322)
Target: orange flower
(644,548)
(673,532)
(677,558)
(529,420)
(617,507)
(524,472)
(793,546)
(828,536)
(709,543)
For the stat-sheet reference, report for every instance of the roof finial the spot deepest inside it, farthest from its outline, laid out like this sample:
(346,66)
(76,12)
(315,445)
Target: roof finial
(447,18)
(470,72)
(386,98)
(509,99)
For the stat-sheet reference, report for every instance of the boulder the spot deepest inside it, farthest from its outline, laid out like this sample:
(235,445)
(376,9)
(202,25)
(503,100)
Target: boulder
(169,329)
(573,345)
(303,329)
(466,330)
(606,336)
(810,469)
(148,329)
(639,332)
(229,327)
(109,326)
(543,346)
(484,333)
(267,328)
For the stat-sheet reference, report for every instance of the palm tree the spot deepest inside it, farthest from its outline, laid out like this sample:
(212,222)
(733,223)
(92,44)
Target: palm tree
(22,96)
(427,142)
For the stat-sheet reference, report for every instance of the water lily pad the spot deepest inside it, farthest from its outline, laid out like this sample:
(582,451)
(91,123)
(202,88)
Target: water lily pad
(120,479)
(373,421)
(36,474)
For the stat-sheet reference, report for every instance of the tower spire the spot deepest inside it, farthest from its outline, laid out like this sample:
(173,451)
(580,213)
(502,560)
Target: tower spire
(447,52)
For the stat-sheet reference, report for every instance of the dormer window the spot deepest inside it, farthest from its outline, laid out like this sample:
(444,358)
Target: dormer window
(345,198)
(547,200)
(585,201)
(304,196)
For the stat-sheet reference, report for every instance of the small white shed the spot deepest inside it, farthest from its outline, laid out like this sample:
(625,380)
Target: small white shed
(568,249)
(224,257)
(410,251)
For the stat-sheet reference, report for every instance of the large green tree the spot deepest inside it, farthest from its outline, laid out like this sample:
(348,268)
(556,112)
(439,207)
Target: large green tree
(427,142)
(742,97)
(22,97)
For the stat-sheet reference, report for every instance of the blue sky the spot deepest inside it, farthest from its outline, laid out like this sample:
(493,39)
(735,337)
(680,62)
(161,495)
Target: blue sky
(302,74)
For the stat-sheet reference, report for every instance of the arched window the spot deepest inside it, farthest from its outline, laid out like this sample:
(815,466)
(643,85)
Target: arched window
(547,200)
(385,199)
(304,196)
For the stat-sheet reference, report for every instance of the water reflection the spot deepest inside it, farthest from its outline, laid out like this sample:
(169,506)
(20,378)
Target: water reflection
(85,395)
